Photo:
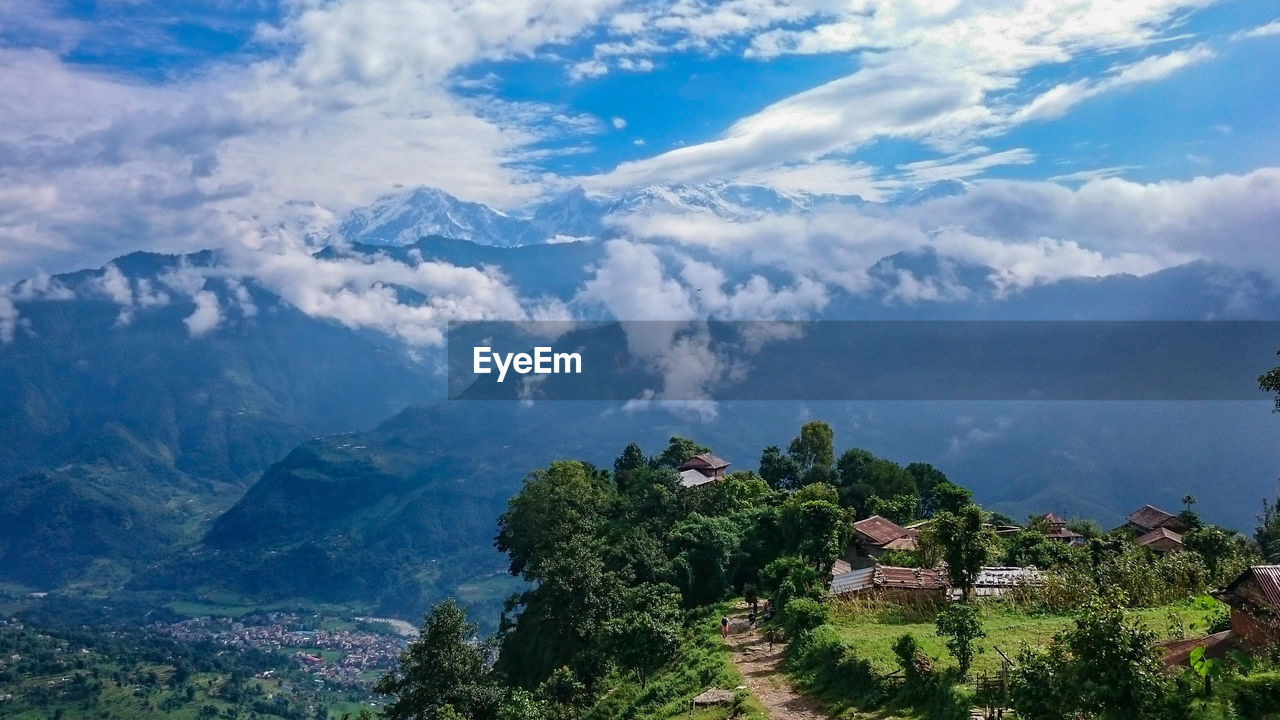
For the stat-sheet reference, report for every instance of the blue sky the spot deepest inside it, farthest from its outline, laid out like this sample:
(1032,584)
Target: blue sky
(145,124)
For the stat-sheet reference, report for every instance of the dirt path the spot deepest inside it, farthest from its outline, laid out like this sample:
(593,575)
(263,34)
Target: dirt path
(761,668)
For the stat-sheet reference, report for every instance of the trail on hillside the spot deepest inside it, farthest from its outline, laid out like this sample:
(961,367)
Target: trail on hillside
(761,668)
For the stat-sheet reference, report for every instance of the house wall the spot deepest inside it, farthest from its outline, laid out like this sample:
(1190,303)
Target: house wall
(1255,632)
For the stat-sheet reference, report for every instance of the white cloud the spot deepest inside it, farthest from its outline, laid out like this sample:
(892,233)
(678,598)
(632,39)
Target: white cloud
(966,164)
(1267,30)
(940,73)
(206,316)
(618,123)
(1056,101)
(8,319)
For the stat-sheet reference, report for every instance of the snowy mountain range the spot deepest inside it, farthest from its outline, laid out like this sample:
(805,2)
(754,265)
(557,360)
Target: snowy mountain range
(404,217)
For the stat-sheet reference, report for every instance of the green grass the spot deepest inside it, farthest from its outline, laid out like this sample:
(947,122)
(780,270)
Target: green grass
(873,631)
(702,662)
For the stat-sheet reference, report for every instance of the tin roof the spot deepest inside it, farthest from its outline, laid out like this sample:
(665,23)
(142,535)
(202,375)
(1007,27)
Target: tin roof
(693,478)
(879,530)
(1150,517)
(704,460)
(1159,535)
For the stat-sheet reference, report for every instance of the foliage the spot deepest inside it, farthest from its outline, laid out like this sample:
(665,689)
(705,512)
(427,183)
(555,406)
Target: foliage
(965,541)
(802,615)
(1105,666)
(1214,545)
(814,453)
(816,527)
(911,658)
(1270,382)
(679,449)
(779,470)
(961,624)
(1030,547)
(442,667)
(790,577)
(645,633)
(705,549)
(1267,533)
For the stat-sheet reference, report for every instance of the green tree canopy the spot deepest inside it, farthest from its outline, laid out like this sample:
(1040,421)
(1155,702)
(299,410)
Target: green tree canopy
(965,542)
(680,449)
(779,470)
(442,668)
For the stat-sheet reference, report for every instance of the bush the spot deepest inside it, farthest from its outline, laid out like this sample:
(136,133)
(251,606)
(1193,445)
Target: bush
(961,625)
(1258,696)
(829,668)
(802,615)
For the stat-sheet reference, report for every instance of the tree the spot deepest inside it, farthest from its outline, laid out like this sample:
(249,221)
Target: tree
(1270,382)
(442,667)
(949,497)
(927,477)
(1268,531)
(552,534)
(790,577)
(704,552)
(814,452)
(1213,544)
(961,624)
(680,449)
(644,635)
(816,527)
(632,458)
(1188,501)
(779,470)
(966,544)
(852,472)
(1029,547)
(1114,666)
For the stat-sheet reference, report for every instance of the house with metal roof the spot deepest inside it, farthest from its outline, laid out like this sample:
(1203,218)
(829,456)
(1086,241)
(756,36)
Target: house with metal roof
(1054,527)
(702,469)
(1161,540)
(888,578)
(1254,598)
(873,536)
(1149,517)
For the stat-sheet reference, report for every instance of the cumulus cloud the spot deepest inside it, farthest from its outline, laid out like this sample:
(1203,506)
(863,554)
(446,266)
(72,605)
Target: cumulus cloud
(1028,233)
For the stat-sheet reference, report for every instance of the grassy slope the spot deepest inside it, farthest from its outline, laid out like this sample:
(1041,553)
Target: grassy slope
(702,662)
(873,631)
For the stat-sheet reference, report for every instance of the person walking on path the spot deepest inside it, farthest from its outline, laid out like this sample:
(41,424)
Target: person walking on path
(724,627)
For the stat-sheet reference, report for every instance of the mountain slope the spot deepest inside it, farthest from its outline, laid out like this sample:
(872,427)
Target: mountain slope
(123,413)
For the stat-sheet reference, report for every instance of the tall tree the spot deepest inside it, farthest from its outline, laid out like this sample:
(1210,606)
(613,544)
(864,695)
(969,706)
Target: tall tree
(647,630)
(966,544)
(814,452)
(779,470)
(1268,531)
(927,477)
(704,552)
(632,458)
(442,668)
(816,527)
(552,534)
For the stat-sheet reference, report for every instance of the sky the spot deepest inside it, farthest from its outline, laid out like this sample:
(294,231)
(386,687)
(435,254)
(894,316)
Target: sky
(1101,135)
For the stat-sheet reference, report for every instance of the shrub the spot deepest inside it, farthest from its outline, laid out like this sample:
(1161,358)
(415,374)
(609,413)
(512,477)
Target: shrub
(961,624)
(1257,696)
(802,615)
